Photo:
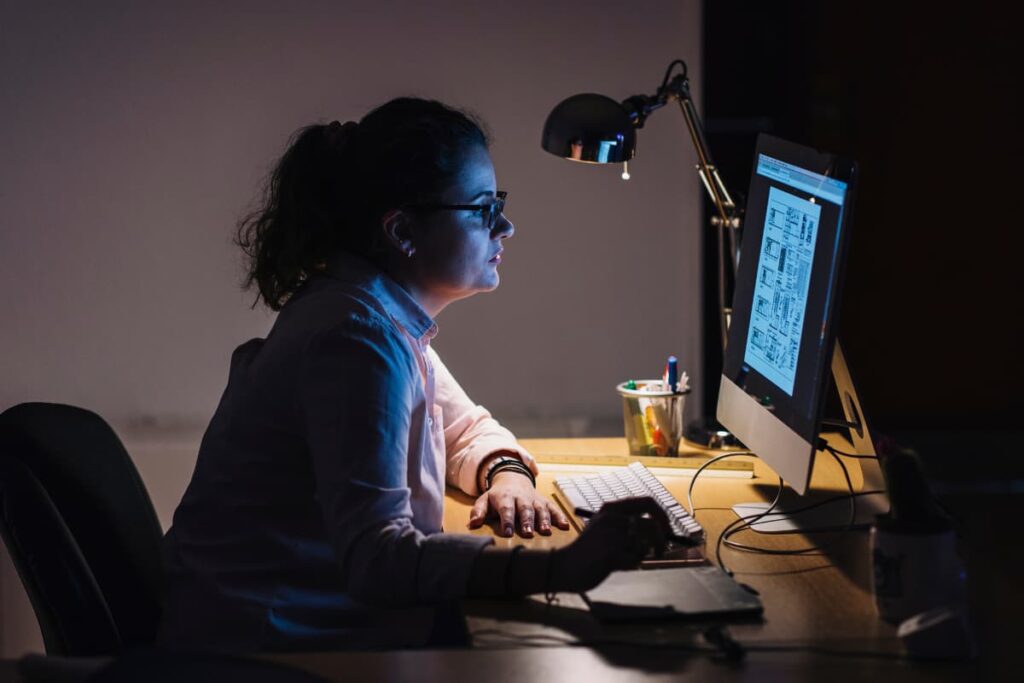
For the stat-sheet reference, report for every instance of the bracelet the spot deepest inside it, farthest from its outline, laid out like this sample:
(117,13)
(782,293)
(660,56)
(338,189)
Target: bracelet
(501,459)
(497,470)
(508,465)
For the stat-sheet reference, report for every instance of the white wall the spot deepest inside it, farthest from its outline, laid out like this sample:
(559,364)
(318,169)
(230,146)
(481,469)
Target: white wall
(133,136)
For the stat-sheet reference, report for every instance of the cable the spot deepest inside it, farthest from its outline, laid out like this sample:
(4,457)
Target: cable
(693,510)
(730,648)
(551,640)
(515,640)
(806,508)
(668,72)
(712,461)
(742,523)
(748,522)
(824,446)
(718,636)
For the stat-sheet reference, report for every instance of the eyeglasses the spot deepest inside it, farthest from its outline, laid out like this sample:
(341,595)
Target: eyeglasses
(489,212)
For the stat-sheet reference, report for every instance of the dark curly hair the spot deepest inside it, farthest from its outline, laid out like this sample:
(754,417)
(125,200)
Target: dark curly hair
(330,188)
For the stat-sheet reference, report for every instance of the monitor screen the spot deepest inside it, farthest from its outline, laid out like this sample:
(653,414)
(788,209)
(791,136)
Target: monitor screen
(781,333)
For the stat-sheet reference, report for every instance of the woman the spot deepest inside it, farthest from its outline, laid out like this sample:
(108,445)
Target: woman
(313,517)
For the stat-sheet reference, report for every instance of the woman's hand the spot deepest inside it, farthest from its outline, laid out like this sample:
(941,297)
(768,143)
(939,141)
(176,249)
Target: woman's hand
(617,537)
(512,496)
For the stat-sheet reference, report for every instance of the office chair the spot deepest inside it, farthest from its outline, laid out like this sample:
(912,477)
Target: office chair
(80,529)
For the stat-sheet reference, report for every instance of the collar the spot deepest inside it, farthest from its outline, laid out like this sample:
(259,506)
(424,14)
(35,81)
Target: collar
(398,303)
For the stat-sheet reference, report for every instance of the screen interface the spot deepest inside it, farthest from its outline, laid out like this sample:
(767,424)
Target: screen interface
(780,294)
(788,239)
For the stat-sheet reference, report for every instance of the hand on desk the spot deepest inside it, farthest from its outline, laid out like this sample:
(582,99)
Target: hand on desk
(512,496)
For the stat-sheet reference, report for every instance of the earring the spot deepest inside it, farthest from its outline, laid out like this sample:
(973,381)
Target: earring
(410,251)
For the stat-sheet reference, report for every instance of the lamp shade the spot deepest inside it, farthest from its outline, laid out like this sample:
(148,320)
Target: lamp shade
(590,128)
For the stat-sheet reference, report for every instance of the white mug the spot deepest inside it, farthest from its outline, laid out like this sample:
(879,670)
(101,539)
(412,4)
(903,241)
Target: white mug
(915,572)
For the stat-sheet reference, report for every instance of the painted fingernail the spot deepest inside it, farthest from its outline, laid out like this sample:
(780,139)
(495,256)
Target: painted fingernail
(508,530)
(527,529)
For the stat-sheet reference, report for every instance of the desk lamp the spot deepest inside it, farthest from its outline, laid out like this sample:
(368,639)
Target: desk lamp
(595,129)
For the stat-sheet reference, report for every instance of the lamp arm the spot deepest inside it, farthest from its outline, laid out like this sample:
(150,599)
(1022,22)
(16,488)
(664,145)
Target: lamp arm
(679,89)
(639,107)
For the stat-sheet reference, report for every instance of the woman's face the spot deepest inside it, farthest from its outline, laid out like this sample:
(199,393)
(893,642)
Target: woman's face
(456,255)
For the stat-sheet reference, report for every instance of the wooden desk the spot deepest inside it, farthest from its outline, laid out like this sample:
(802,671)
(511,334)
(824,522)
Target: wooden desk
(823,599)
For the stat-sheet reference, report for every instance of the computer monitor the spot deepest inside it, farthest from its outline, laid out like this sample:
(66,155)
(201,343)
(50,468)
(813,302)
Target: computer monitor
(781,346)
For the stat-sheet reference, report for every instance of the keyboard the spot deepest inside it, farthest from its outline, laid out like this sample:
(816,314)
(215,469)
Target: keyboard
(591,491)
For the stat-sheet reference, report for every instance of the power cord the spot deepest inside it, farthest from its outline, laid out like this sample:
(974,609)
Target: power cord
(709,463)
(824,446)
(812,549)
(743,523)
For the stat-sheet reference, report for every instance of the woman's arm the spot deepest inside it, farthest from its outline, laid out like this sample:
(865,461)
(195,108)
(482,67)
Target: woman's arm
(473,440)
(471,435)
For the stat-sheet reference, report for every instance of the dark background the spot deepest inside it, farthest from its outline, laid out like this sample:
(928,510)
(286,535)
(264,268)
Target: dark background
(927,102)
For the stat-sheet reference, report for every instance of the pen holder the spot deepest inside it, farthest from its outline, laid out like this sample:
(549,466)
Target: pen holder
(653,417)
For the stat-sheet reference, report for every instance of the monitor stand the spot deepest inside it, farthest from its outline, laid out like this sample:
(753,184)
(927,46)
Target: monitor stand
(835,515)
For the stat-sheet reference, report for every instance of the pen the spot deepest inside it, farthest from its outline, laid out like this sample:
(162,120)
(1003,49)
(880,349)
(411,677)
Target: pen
(585,513)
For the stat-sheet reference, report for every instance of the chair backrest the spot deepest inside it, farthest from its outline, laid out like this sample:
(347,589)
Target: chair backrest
(80,528)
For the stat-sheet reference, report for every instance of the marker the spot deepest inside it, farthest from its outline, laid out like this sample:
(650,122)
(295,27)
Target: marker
(672,373)
(584,513)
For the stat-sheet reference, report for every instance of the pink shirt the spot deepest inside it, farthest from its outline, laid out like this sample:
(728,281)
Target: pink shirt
(455,436)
